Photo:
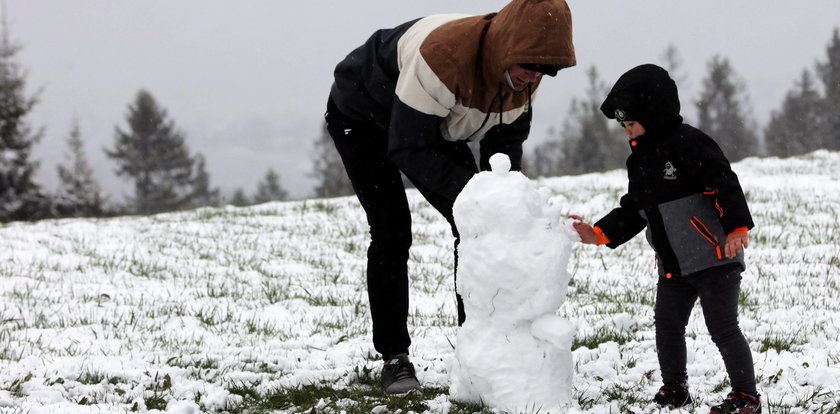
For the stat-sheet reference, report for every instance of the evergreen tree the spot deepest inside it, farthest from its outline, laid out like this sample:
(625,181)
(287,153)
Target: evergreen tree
(153,154)
(589,141)
(723,111)
(79,193)
(673,63)
(601,145)
(239,198)
(269,189)
(203,195)
(331,178)
(547,159)
(20,197)
(797,127)
(829,72)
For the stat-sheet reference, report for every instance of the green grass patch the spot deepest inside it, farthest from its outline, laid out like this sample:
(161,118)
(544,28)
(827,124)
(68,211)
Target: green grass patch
(601,336)
(780,342)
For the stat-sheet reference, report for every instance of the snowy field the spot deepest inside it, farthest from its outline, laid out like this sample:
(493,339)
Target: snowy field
(264,309)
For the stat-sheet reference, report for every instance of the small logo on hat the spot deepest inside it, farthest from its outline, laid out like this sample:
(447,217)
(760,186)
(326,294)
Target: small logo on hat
(620,115)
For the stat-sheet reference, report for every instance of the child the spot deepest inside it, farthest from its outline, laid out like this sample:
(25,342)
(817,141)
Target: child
(682,189)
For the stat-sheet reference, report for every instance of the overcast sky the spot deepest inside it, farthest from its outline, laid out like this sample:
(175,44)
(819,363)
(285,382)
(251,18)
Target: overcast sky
(247,81)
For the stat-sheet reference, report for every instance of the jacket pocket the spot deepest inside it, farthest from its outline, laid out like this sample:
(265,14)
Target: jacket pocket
(707,234)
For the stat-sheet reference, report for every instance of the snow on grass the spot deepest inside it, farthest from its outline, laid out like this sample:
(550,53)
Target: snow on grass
(265,308)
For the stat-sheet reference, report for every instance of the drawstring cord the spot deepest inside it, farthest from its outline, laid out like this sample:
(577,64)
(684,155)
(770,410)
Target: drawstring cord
(489,112)
(501,103)
(501,108)
(529,97)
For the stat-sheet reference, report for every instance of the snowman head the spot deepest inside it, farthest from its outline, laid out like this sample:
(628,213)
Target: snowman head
(499,200)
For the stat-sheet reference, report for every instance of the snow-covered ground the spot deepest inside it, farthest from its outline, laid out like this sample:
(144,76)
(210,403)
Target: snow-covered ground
(175,311)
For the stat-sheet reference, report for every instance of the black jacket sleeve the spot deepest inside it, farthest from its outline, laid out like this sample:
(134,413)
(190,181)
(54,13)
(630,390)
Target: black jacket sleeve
(712,170)
(415,146)
(622,223)
(507,139)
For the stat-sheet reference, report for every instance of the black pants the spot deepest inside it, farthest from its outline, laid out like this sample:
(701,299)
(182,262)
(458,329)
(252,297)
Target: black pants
(718,289)
(379,187)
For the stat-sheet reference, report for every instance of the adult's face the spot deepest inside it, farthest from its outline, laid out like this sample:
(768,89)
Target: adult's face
(521,77)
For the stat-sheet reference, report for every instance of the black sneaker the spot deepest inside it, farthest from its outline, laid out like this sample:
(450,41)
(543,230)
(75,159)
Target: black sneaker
(673,396)
(398,376)
(738,402)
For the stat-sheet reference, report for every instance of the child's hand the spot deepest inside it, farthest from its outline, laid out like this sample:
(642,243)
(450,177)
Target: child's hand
(736,243)
(585,232)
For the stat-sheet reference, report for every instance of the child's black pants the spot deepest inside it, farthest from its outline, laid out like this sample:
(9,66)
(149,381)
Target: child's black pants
(718,289)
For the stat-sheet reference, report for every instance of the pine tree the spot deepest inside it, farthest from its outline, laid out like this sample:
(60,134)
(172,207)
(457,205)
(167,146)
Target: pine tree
(589,141)
(673,63)
(722,110)
(269,189)
(796,128)
(829,72)
(331,178)
(547,158)
(203,195)
(20,197)
(153,154)
(79,193)
(239,198)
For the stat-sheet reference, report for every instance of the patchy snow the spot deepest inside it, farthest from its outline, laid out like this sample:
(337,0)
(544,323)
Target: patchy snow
(175,311)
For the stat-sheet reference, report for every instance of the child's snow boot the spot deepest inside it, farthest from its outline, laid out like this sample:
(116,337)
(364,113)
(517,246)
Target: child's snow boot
(738,402)
(671,395)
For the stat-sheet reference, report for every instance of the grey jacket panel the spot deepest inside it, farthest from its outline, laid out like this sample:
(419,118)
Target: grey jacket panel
(693,227)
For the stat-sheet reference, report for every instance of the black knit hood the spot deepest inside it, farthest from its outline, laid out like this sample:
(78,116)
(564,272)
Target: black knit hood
(645,94)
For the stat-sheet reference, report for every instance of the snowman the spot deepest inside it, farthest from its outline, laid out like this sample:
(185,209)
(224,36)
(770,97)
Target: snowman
(513,353)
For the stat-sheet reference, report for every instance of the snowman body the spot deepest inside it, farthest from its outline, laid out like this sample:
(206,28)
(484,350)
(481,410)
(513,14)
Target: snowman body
(513,352)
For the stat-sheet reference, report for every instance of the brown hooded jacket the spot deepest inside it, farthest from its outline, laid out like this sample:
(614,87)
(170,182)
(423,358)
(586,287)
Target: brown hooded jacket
(442,79)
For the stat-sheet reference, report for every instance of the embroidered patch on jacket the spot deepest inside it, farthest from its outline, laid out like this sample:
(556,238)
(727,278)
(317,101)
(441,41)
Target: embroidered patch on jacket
(670,171)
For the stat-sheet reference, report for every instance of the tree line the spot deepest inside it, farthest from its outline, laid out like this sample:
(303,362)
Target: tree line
(152,154)
(807,120)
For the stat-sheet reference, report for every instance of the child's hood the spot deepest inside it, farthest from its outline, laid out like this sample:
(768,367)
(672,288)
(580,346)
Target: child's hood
(645,94)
